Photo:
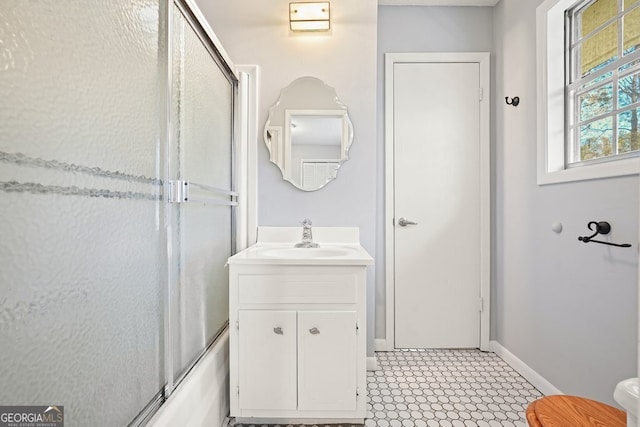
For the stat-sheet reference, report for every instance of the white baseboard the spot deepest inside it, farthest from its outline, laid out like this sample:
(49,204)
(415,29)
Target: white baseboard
(202,399)
(300,421)
(380,344)
(537,380)
(372,363)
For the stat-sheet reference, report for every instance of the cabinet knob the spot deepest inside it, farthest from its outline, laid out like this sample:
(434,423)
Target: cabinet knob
(278,330)
(314,331)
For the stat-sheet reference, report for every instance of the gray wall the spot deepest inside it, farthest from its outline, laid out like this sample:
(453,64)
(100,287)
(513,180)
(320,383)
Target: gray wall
(345,58)
(419,29)
(567,309)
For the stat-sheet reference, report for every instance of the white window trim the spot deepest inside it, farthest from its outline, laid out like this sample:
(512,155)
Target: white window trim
(551,103)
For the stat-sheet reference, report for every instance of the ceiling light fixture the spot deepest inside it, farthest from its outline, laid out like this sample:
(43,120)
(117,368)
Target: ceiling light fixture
(309,16)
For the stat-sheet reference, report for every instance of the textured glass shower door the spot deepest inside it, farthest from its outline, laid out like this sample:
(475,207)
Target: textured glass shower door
(201,159)
(83,246)
(110,288)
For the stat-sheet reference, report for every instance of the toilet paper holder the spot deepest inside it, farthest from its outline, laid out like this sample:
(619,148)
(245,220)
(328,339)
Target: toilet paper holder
(602,227)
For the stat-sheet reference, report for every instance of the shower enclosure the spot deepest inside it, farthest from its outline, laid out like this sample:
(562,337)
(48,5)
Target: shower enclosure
(118,203)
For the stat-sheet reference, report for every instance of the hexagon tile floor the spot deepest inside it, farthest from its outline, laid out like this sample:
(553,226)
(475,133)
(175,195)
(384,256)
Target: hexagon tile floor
(443,388)
(446,388)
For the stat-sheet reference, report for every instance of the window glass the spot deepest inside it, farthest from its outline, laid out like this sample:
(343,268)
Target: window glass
(596,15)
(596,139)
(599,79)
(628,136)
(599,49)
(604,79)
(631,34)
(595,102)
(629,90)
(628,65)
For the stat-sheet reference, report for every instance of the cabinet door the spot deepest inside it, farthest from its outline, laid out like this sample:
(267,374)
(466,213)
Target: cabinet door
(267,359)
(327,360)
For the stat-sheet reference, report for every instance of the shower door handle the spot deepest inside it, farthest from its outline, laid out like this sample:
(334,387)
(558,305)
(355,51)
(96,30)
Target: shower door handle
(180,192)
(402,222)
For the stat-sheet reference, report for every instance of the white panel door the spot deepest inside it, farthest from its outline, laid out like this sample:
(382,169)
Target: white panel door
(267,359)
(437,185)
(327,360)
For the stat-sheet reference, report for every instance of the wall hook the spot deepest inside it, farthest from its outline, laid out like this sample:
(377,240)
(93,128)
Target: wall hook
(514,101)
(601,227)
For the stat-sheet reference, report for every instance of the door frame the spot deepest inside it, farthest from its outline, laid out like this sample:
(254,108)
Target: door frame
(247,156)
(483,60)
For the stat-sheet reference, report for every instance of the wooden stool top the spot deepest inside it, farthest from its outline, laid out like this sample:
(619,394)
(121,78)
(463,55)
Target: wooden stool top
(565,411)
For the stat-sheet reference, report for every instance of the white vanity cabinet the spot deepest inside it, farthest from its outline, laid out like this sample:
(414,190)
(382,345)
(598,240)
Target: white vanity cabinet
(298,338)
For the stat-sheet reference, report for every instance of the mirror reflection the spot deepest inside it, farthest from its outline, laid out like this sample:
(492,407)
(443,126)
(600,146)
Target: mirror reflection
(308,133)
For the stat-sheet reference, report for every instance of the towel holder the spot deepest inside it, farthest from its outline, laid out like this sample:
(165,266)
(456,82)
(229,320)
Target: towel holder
(602,227)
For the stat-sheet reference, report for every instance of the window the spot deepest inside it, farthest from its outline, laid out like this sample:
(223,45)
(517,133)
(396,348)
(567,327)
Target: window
(603,91)
(588,89)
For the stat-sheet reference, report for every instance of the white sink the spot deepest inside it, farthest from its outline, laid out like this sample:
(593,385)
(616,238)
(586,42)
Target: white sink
(326,254)
(276,245)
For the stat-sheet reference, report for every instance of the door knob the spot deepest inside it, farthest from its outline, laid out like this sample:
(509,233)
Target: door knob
(278,330)
(314,331)
(402,222)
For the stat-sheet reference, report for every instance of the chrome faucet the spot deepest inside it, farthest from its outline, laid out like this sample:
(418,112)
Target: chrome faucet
(307,238)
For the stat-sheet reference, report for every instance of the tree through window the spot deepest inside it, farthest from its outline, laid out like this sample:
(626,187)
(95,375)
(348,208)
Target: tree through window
(603,75)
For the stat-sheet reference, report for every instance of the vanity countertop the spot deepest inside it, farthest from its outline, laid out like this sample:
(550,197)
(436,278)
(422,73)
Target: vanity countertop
(281,254)
(275,246)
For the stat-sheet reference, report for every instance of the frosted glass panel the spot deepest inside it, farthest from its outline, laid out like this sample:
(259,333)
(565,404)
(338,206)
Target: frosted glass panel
(82,254)
(203,107)
(81,79)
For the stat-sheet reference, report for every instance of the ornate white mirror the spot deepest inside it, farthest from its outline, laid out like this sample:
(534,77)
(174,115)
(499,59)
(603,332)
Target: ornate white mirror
(308,133)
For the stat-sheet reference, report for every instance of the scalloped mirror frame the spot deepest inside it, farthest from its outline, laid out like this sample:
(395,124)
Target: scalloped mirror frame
(308,133)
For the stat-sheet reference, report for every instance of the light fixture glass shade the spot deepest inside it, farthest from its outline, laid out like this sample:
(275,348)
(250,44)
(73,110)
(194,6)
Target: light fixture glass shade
(309,16)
